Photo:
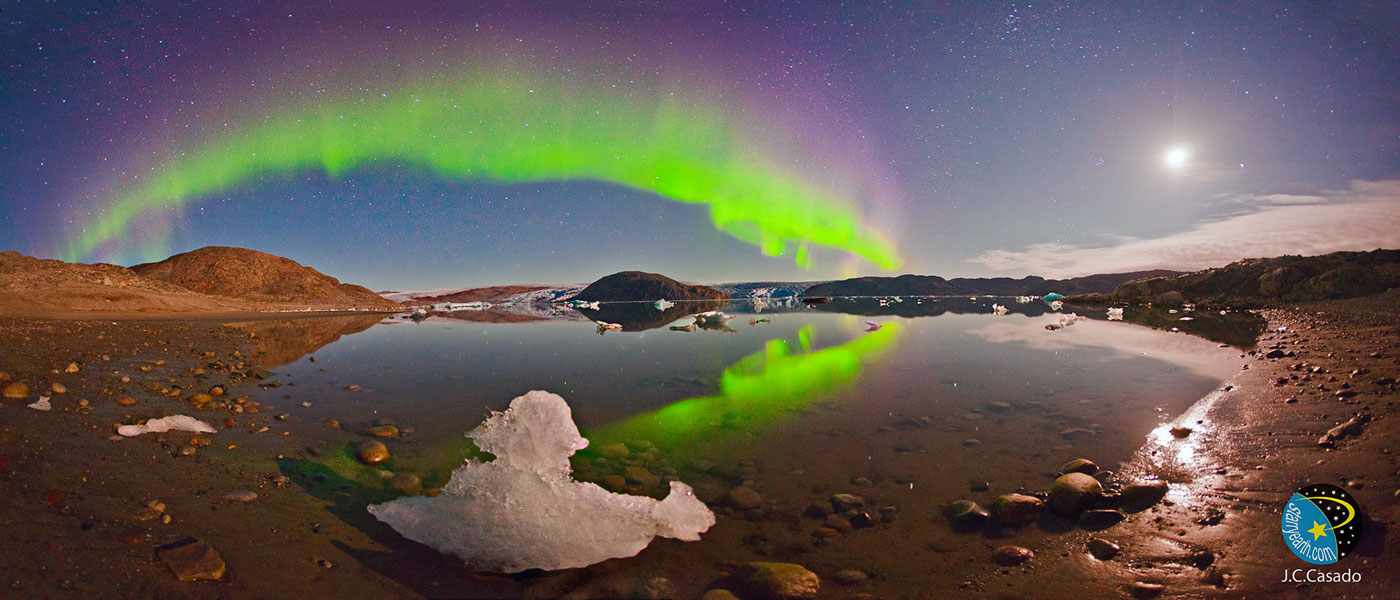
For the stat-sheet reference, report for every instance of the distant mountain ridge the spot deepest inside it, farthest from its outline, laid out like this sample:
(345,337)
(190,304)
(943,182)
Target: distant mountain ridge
(1257,281)
(933,285)
(259,277)
(638,285)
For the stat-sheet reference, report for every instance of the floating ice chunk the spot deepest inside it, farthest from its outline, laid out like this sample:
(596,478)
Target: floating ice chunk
(712,316)
(1069,319)
(1056,305)
(42,404)
(1024,299)
(687,328)
(663,304)
(998,309)
(604,327)
(872,326)
(523,510)
(1115,314)
(162,425)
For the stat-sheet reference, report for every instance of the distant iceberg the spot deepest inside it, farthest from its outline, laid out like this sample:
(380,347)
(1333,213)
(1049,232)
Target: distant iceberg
(998,309)
(663,304)
(523,510)
(1056,305)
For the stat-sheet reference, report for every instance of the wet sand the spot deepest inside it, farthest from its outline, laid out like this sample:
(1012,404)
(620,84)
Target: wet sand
(75,500)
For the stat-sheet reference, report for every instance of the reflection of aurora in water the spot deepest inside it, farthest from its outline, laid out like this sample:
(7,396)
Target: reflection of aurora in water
(754,392)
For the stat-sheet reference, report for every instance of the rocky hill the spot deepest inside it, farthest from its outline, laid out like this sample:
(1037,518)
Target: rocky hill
(40,287)
(637,286)
(1259,281)
(932,285)
(495,295)
(259,277)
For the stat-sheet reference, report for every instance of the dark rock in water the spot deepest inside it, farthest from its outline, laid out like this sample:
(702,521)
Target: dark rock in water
(979,486)
(1276,354)
(1352,427)
(817,510)
(1103,549)
(1202,560)
(1180,432)
(862,520)
(192,560)
(743,498)
(1018,509)
(966,514)
(845,502)
(371,452)
(776,581)
(1145,591)
(850,577)
(1080,465)
(1010,556)
(1141,494)
(382,431)
(1100,519)
(1073,493)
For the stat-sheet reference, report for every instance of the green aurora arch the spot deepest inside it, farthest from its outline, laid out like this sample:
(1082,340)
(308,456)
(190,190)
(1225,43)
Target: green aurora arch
(505,127)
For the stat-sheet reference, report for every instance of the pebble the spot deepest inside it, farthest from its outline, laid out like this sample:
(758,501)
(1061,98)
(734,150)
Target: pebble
(382,431)
(200,399)
(646,478)
(1011,556)
(850,577)
(126,401)
(845,502)
(1144,493)
(71,368)
(59,388)
(819,510)
(406,482)
(371,452)
(615,451)
(193,560)
(1080,465)
(776,581)
(743,498)
(966,513)
(1073,493)
(1100,519)
(1145,591)
(1018,509)
(241,496)
(615,483)
(17,391)
(1103,549)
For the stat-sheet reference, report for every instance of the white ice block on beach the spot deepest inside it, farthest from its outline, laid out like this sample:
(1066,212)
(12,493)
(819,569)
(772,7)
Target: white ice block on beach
(162,425)
(523,510)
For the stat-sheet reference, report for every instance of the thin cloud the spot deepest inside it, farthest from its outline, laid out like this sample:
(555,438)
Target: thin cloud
(1365,216)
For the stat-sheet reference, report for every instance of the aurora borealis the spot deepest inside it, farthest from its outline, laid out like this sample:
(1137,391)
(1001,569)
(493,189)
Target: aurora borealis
(533,142)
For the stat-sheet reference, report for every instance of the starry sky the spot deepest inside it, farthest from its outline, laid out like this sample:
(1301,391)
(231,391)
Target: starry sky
(710,141)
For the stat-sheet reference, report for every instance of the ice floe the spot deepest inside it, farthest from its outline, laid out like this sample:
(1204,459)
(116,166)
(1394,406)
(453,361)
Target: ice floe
(523,509)
(164,424)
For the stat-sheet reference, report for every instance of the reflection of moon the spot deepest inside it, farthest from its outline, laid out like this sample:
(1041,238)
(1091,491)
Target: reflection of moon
(1351,512)
(1176,157)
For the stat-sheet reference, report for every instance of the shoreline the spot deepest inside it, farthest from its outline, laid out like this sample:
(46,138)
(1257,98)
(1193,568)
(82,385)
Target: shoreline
(96,528)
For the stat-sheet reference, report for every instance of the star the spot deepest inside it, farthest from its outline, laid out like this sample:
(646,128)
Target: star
(1318,530)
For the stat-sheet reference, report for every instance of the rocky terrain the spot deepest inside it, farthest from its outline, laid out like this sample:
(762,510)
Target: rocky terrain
(259,277)
(1258,282)
(494,294)
(38,287)
(638,286)
(932,285)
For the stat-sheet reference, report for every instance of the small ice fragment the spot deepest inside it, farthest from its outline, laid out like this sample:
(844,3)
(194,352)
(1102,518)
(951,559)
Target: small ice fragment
(604,327)
(1056,305)
(1115,314)
(42,404)
(710,317)
(872,326)
(162,425)
(998,309)
(523,510)
(663,304)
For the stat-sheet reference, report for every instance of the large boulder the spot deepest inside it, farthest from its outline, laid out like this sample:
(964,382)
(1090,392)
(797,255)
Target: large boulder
(776,581)
(1073,493)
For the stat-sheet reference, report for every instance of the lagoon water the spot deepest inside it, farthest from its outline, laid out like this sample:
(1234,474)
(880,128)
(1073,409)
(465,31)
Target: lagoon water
(943,401)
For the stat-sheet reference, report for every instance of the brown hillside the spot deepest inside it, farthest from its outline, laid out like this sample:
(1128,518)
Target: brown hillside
(636,286)
(34,287)
(259,277)
(482,294)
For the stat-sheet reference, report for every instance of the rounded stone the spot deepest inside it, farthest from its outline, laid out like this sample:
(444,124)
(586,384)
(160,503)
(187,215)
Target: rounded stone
(382,431)
(1080,465)
(743,498)
(850,577)
(17,390)
(776,581)
(1072,493)
(1145,493)
(1103,549)
(966,513)
(406,482)
(1018,509)
(1011,556)
(371,452)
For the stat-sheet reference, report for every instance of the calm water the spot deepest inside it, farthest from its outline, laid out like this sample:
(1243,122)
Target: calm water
(942,396)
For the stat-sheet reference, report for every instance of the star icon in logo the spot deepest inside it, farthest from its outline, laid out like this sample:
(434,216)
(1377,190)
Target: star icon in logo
(1318,530)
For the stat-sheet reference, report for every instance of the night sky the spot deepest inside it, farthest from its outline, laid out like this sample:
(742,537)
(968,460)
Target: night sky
(406,145)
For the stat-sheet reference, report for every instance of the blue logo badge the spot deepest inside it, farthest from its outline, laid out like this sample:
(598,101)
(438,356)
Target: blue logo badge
(1321,524)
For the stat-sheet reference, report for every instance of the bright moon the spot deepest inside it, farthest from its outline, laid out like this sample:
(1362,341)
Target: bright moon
(1176,157)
